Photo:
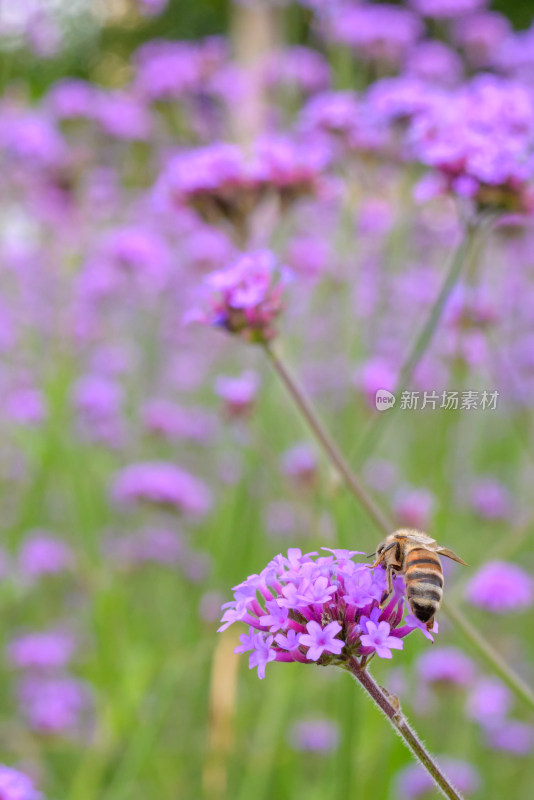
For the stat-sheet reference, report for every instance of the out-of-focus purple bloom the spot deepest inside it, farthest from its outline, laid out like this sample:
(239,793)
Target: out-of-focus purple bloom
(308,256)
(330,611)
(489,702)
(500,587)
(413,781)
(239,394)
(300,464)
(375,374)
(71,98)
(167,419)
(512,736)
(377,32)
(32,138)
(25,406)
(480,36)
(490,499)
(161,483)
(314,736)
(445,665)
(413,508)
(96,397)
(15,785)
(446,9)
(376,216)
(167,70)
(208,248)
(41,554)
(53,705)
(246,297)
(298,68)
(480,140)
(380,474)
(43,650)
(333,112)
(123,116)
(154,545)
(434,62)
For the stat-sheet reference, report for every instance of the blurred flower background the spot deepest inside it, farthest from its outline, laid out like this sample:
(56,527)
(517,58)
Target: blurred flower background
(329,179)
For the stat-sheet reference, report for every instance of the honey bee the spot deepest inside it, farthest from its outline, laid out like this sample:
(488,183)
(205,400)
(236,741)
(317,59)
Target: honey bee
(414,555)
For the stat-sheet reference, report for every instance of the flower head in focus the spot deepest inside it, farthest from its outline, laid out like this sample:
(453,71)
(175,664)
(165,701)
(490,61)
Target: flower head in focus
(245,298)
(321,608)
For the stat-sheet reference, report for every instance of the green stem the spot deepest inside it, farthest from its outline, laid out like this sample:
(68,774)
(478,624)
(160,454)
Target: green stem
(386,525)
(488,654)
(468,246)
(327,443)
(389,705)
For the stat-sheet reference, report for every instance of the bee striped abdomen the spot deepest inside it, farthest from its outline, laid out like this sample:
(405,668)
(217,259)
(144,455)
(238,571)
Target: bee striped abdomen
(424,582)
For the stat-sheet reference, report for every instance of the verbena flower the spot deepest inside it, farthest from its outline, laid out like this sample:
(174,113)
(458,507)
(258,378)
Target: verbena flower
(489,702)
(446,665)
(245,298)
(319,608)
(239,393)
(480,140)
(314,735)
(42,554)
(43,650)
(377,32)
(447,9)
(413,781)
(500,587)
(161,483)
(15,785)
(53,705)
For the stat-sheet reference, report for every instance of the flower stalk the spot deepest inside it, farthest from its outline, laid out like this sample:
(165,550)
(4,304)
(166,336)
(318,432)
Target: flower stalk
(389,705)
(327,443)
(462,258)
(484,650)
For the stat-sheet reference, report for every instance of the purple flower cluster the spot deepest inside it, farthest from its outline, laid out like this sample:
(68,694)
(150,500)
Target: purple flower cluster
(221,183)
(245,298)
(15,785)
(501,587)
(163,484)
(379,32)
(325,609)
(480,141)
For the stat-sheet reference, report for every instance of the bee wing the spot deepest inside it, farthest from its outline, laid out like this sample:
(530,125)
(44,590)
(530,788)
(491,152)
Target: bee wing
(444,551)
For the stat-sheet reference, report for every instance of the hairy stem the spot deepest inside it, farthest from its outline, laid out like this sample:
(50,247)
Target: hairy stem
(325,440)
(386,525)
(391,708)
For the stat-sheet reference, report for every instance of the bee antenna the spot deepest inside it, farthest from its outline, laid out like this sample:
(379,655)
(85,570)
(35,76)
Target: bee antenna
(371,555)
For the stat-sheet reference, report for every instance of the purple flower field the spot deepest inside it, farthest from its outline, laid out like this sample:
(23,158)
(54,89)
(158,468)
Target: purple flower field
(266,297)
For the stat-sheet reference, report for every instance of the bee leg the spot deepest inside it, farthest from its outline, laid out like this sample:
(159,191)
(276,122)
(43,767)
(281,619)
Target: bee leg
(390,579)
(430,624)
(389,573)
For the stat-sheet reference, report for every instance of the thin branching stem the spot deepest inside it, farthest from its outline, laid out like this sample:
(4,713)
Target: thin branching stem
(390,706)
